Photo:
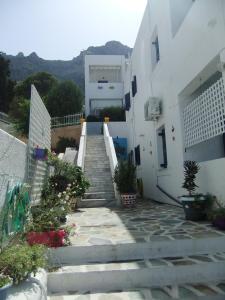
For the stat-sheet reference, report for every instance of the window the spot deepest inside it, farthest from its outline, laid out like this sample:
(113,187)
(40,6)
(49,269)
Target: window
(178,11)
(127,102)
(155,51)
(137,155)
(161,147)
(156,44)
(134,86)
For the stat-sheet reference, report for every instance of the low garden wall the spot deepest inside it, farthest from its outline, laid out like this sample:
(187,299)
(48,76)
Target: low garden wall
(12,162)
(66,132)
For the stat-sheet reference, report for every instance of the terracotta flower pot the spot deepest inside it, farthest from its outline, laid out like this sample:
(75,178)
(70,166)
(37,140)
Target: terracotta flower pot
(219,222)
(128,200)
(49,238)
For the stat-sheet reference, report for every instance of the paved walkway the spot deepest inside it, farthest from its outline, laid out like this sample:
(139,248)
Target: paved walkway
(148,221)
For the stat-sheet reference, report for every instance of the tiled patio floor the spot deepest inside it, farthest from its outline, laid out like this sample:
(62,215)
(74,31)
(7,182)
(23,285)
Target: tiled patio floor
(148,221)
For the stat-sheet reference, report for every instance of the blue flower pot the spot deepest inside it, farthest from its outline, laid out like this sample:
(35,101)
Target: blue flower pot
(40,154)
(4,291)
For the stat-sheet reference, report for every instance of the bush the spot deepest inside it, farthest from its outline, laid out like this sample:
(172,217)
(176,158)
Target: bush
(58,195)
(125,177)
(92,118)
(64,143)
(20,260)
(114,113)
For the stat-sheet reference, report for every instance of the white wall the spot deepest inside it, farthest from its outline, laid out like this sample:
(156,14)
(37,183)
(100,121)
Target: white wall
(186,61)
(103,90)
(119,129)
(12,162)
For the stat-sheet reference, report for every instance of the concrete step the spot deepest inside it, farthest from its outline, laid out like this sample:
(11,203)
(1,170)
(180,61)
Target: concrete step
(134,274)
(137,251)
(93,189)
(186,292)
(97,203)
(98,174)
(99,181)
(99,195)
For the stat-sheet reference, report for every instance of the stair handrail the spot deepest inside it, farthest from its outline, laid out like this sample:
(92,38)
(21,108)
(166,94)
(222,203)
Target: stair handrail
(82,146)
(111,153)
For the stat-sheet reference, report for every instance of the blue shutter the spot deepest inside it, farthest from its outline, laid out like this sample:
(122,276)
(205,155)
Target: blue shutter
(127,101)
(134,86)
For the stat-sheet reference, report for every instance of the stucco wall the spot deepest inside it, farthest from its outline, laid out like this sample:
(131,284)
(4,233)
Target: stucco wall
(186,61)
(12,162)
(118,129)
(67,132)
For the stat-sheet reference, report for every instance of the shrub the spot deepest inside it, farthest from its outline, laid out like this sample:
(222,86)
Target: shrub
(125,177)
(20,260)
(92,118)
(114,114)
(64,143)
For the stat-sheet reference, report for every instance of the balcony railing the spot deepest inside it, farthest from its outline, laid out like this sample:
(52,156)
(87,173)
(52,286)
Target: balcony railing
(68,120)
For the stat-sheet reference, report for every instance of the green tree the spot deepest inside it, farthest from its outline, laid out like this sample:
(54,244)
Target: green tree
(64,99)
(43,82)
(6,85)
(20,114)
(20,106)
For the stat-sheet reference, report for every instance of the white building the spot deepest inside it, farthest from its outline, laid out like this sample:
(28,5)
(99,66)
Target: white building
(104,86)
(179,59)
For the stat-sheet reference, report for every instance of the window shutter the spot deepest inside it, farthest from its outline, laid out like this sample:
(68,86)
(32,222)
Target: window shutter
(134,86)
(127,101)
(137,155)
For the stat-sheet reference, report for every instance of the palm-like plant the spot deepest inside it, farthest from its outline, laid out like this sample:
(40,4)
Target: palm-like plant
(191,168)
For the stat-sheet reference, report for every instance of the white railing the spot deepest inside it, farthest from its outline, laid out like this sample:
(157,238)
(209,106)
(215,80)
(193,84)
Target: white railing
(111,153)
(82,146)
(68,120)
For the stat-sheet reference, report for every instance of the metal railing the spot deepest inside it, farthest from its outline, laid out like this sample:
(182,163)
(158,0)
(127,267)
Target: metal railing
(68,120)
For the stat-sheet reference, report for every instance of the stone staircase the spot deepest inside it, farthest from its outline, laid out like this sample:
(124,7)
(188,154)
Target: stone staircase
(97,170)
(139,271)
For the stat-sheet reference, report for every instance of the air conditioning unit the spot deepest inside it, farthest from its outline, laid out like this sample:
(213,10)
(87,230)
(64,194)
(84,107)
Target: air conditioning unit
(153,109)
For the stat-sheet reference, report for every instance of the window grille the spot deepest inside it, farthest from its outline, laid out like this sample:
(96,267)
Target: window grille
(204,117)
(39,136)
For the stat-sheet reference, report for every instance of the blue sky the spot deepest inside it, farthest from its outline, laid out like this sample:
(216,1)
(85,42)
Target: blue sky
(60,29)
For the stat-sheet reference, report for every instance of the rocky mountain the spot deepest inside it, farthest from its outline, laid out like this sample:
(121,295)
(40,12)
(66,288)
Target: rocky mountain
(22,66)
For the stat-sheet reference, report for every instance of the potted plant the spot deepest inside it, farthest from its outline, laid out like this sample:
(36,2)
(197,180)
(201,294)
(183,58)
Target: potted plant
(40,153)
(5,284)
(125,179)
(218,218)
(19,260)
(194,204)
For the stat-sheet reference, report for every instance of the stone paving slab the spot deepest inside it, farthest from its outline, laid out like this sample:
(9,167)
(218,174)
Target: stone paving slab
(148,221)
(186,292)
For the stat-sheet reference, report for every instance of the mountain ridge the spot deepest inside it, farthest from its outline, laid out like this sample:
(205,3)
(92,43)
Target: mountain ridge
(22,66)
